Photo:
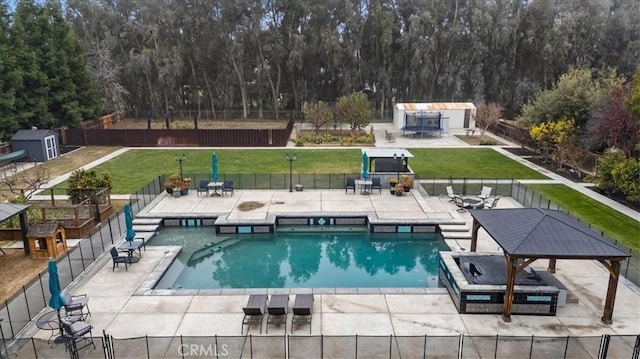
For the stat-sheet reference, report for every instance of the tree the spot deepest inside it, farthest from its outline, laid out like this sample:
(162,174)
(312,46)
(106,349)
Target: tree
(354,109)
(487,114)
(558,134)
(318,115)
(626,175)
(614,125)
(604,173)
(24,183)
(84,184)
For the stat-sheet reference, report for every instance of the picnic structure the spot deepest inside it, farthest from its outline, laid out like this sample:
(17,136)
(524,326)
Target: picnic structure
(433,119)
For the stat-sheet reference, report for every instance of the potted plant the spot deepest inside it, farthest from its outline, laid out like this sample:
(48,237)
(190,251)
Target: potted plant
(392,185)
(399,189)
(184,188)
(168,185)
(407,183)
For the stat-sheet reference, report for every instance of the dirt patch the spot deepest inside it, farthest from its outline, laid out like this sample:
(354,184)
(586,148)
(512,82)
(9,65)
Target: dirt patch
(17,270)
(249,206)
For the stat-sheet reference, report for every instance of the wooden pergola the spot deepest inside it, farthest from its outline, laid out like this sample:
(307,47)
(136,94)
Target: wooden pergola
(8,210)
(528,234)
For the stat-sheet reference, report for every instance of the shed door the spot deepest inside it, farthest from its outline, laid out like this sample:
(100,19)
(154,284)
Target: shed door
(50,147)
(467,118)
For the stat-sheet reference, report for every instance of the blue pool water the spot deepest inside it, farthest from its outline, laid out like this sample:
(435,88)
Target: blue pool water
(293,259)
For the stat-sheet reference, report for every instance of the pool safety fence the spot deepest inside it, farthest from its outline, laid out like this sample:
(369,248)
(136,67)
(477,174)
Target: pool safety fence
(355,346)
(26,305)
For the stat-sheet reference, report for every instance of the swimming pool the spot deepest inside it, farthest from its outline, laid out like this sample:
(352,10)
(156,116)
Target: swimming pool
(300,259)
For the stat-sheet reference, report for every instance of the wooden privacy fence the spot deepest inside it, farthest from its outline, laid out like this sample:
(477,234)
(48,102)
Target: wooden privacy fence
(188,137)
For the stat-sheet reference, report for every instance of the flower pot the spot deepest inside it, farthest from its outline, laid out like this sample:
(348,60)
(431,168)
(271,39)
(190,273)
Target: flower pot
(184,192)
(407,188)
(399,193)
(169,190)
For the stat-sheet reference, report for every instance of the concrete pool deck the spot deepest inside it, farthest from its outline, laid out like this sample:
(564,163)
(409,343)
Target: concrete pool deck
(116,310)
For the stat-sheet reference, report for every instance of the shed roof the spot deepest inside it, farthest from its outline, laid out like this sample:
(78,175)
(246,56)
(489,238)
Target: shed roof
(26,135)
(436,106)
(42,230)
(8,210)
(545,233)
(386,152)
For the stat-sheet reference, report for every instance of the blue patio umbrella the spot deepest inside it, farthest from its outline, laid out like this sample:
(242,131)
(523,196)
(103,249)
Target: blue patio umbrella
(365,165)
(214,167)
(128,221)
(56,302)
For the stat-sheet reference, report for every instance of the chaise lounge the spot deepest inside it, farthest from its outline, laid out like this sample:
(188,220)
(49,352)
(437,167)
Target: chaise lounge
(302,309)
(277,310)
(254,311)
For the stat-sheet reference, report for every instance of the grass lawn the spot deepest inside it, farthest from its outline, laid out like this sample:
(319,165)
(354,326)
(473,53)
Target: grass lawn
(135,168)
(613,223)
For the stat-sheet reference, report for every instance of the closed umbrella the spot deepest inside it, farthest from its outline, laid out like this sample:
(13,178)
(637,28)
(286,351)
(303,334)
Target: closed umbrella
(365,165)
(128,220)
(214,167)
(56,302)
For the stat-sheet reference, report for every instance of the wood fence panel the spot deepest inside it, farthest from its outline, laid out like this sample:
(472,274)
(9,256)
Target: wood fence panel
(178,137)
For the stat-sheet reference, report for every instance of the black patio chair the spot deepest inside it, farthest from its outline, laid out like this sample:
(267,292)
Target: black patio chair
(227,186)
(350,184)
(203,187)
(117,259)
(375,184)
(76,333)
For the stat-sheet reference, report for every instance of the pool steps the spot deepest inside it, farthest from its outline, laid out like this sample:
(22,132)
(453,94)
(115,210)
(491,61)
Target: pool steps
(146,224)
(455,231)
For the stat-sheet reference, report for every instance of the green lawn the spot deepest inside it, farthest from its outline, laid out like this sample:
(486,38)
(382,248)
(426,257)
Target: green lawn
(613,223)
(135,168)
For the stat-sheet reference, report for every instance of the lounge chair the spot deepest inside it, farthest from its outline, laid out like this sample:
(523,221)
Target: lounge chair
(350,184)
(277,310)
(375,184)
(486,192)
(254,311)
(74,333)
(203,188)
(117,259)
(76,305)
(302,310)
(494,203)
(227,186)
(450,193)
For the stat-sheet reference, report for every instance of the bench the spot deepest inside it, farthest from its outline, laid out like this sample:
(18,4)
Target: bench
(471,131)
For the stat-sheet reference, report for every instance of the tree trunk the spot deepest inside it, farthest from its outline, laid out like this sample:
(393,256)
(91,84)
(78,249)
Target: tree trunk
(243,88)
(206,81)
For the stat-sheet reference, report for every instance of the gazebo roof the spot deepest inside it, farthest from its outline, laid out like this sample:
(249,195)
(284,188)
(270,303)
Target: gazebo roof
(8,210)
(386,152)
(545,233)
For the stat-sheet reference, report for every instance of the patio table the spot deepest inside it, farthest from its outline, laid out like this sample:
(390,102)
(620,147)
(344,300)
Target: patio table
(216,187)
(364,185)
(130,247)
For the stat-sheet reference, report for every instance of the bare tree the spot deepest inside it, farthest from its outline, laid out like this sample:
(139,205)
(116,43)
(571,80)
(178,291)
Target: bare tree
(487,114)
(24,182)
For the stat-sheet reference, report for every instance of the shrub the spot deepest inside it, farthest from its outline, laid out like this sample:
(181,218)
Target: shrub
(488,142)
(83,185)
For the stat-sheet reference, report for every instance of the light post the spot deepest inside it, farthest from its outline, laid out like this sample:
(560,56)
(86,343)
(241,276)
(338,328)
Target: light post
(291,158)
(180,159)
(398,165)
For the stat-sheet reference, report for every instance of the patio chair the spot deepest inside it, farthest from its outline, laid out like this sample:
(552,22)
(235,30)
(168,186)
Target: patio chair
(254,311)
(117,259)
(494,203)
(375,184)
(302,310)
(450,194)
(75,305)
(277,310)
(486,192)
(203,187)
(227,186)
(350,184)
(74,333)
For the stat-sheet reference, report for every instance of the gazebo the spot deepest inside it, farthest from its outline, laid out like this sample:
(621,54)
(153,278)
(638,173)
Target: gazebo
(528,234)
(8,210)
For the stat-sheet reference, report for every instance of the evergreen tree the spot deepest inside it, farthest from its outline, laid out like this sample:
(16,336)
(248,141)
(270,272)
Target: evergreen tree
(10,78)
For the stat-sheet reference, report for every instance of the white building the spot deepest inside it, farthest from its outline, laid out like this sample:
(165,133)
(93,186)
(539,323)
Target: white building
(428,117)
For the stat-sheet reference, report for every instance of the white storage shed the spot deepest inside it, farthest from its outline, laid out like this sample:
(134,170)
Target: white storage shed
(433,116)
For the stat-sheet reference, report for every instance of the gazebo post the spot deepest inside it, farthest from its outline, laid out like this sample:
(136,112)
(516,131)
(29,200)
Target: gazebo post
(614,274)
(552,265)
(508,294)
(24,228)
(474,234)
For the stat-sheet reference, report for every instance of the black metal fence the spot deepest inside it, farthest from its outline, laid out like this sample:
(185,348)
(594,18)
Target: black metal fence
(25,305)
(355,346)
